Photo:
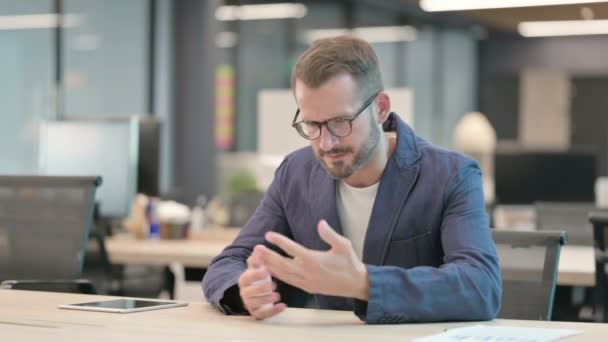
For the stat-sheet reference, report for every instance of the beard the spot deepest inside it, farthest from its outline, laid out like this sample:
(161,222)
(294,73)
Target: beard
(342,169)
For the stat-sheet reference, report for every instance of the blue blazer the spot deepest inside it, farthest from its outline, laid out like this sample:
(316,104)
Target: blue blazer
(428,248)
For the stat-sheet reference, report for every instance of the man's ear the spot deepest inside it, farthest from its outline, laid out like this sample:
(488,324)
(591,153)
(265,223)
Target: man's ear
(383,103)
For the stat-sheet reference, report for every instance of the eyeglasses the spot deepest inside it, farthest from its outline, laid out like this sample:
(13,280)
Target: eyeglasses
(340,127)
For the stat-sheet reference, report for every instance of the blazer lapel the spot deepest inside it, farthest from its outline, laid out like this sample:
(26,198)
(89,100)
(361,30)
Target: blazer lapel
(323,204)
(398,179)
(393,192)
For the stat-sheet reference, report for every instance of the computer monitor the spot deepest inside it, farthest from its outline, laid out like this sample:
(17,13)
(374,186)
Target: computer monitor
(527,177)
(149,153)
(106,147)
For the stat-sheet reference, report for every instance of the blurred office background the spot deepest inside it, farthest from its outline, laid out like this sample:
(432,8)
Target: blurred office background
(189,98)
(210,75)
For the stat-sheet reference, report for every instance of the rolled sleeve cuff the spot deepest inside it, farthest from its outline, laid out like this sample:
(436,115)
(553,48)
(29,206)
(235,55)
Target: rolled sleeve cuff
(371,310)
(227,299)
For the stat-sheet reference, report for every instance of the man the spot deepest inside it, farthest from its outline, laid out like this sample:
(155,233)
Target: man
(382,223)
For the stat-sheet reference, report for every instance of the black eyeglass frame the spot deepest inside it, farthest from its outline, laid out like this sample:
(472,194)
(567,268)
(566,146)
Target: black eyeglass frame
(325,123)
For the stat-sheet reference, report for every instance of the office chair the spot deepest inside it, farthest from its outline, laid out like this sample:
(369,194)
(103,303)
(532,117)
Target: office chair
(44,227)
(572,303)
(599,219)
(124,280)
(121,280)
(528,263)
(83,286)
(573,217)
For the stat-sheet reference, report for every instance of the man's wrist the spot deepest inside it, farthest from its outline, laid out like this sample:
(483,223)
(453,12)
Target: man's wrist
(362,288)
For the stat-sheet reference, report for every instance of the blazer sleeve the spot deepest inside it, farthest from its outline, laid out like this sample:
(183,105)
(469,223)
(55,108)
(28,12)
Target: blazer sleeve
(220,280)
(466,287)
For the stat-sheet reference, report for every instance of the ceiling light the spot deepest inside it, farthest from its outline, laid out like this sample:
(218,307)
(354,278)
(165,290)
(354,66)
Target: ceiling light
(311,35)
(563,28)
(37,21)
(386,34)
(257,12)
(465,5)
(376,34)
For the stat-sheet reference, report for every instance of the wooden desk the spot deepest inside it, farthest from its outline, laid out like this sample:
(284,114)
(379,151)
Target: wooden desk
(34,316)
(194,252)
(576,266)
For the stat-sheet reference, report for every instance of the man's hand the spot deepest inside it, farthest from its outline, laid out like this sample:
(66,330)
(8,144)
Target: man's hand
(337,272)
(258,291)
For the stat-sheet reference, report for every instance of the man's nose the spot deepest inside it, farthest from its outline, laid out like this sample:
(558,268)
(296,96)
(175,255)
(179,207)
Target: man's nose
(327,141)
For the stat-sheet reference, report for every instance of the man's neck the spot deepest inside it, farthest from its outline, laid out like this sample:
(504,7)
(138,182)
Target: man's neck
(372,171)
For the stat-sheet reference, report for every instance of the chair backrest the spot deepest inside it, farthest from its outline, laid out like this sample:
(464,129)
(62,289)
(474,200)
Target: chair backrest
(44,226)
(572,217)
(528,263)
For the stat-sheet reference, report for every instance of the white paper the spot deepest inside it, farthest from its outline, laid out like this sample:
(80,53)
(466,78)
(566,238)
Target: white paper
(488,333)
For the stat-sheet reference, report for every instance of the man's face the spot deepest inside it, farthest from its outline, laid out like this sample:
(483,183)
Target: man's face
(336,98)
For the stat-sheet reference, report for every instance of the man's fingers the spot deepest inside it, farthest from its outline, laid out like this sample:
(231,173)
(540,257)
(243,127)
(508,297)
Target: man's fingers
(289,246)
(274,262)
(330,236)
(250,276)
(254,260)
(292,279)
(267,312)
(286,269)
(256,303)
(257,290)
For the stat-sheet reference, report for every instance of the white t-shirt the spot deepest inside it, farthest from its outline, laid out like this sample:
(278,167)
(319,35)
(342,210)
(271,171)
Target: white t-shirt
(355,208)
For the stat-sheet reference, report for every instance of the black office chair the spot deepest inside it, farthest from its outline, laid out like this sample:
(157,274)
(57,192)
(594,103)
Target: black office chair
(124,280)
(529,262)
(121,280)
(44,228)
(599,219)
(571,303)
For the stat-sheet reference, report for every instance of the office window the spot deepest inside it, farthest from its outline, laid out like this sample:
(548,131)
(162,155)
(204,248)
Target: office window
(26,82)
(262,54)
(106,58)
